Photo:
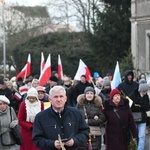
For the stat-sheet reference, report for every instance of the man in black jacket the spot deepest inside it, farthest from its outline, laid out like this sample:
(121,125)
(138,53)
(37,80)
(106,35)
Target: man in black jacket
(59,120)
(128,85)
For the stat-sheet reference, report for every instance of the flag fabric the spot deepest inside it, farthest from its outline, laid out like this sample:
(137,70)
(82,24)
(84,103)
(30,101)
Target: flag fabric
(60,69)
(23,89)
(17,96)
(46,72)
(42,63)
(130,101)
(82,70)
(116,77)
(26,71)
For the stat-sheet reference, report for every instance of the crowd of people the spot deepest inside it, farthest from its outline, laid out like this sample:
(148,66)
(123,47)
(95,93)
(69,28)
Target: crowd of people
(77,111)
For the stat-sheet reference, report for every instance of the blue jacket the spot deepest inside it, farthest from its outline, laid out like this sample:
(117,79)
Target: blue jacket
(69,124)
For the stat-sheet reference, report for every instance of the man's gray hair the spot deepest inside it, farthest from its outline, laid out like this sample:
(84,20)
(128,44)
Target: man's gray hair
(57,88)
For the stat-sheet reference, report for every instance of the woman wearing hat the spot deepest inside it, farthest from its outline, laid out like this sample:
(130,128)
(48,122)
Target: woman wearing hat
(141,105)
(26,115)
(90,106)
(114,133)
(6,121)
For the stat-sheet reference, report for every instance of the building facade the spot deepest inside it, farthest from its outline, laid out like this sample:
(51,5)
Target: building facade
(140,34)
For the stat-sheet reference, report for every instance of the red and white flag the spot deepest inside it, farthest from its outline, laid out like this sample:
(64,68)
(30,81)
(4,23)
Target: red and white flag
(17,96)
(42,63)
(23,89)
(82,70)
(60,69)
(46,72)
(26,71)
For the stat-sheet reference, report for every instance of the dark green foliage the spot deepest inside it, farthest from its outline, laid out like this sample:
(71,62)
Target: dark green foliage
(70,46)
(112,32)
(126,63)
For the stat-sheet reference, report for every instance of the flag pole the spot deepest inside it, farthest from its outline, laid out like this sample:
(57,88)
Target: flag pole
(4,39)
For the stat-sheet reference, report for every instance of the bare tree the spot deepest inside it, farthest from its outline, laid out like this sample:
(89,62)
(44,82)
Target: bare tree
(22,23)
(83,11)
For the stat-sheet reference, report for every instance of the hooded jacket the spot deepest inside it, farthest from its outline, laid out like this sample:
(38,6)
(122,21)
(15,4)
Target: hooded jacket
(127,87)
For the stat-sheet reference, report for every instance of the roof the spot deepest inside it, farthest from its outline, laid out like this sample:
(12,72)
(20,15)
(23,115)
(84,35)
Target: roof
(37,11)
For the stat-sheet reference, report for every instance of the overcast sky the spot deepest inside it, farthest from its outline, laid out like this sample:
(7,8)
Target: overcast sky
(26,2)
(71,21)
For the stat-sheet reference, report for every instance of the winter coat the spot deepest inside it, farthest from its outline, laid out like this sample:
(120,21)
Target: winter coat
(105,94)
(143,102)
(92,108)
(114,136)
(26,127)
(69,124)
(5,121)
(69,90)
(128,87)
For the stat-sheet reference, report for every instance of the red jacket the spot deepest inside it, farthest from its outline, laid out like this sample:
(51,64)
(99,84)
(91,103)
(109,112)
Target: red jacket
(26,128)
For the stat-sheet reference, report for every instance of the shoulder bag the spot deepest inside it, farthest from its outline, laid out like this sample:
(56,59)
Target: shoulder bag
(126,131)
(16,133)
(137,116)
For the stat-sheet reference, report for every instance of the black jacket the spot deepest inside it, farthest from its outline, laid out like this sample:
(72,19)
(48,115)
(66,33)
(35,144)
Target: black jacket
(143,102)
(69,124)
(128,87)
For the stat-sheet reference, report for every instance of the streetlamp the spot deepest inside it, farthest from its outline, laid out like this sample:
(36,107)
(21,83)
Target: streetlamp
(4,38)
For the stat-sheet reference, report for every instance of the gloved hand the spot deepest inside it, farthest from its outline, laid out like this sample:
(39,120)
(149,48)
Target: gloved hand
(13,123)
(133,144)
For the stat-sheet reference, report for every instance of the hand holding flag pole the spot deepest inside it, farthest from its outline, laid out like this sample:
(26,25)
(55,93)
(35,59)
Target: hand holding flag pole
(90,142)
(97,90)
(128,98)
(61,143)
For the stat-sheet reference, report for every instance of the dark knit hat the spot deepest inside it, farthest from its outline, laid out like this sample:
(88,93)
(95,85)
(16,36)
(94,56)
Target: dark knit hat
(53,78)
(20,79)
(89,88)
(113,92)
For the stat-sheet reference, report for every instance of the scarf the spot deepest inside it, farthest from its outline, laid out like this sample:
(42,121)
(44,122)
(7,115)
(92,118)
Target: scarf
(32,109)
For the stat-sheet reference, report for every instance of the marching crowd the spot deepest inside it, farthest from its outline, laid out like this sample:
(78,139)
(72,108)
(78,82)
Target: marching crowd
(77,111)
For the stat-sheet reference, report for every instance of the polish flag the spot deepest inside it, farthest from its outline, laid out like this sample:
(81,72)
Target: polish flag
(17,96)
(46,72)
(26,71)
(23,89)
(82,70)
(42,62)
(60,70)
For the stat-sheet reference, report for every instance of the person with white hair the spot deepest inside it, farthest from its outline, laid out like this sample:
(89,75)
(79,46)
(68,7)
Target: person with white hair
(59,126)
(8,120)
